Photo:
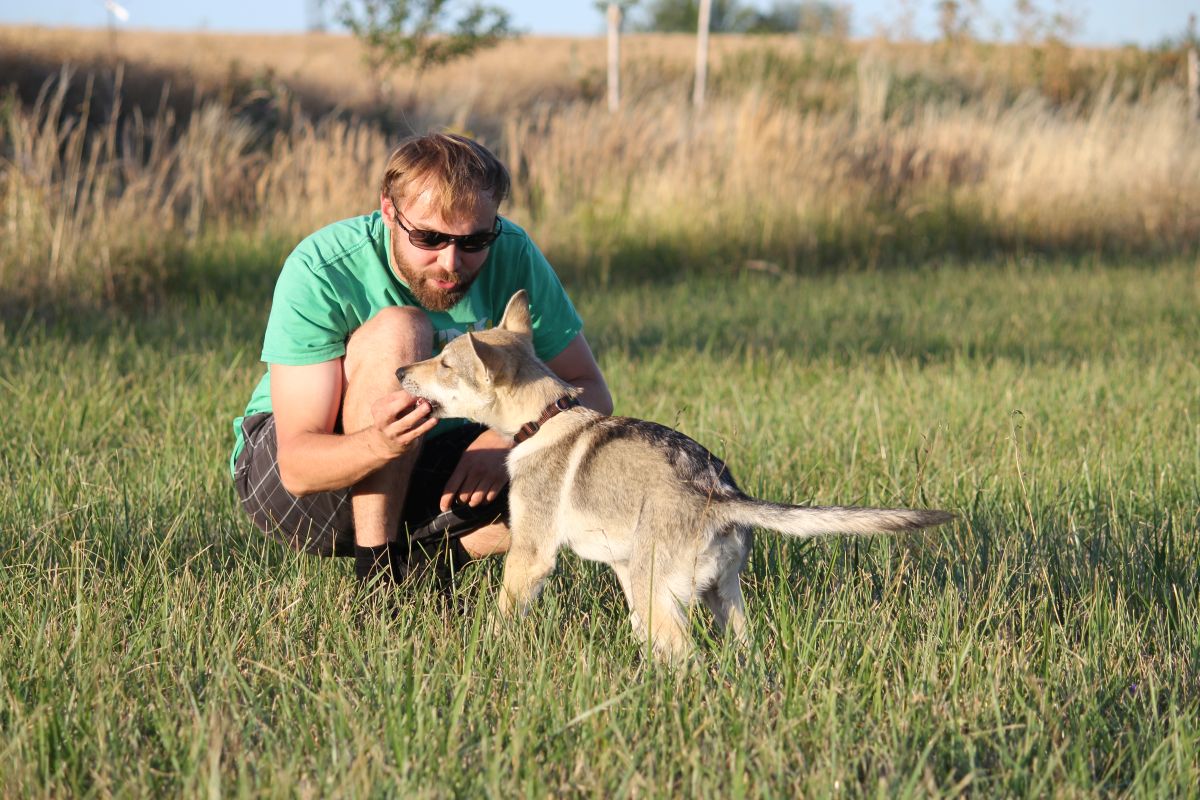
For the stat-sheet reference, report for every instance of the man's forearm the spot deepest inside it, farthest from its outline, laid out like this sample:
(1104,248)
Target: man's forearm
(319,462)
(595,395)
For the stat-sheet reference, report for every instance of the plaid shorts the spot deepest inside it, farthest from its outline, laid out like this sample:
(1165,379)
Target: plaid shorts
(322,523)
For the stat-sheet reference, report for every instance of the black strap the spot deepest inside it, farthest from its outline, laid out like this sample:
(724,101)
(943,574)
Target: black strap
(461,520)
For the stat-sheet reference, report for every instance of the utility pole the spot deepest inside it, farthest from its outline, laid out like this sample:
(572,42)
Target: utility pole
(614,57)
(702,53)
(1193,70)
(116,13)
(314,16)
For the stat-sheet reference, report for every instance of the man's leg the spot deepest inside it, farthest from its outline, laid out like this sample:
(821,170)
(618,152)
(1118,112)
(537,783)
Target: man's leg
(490,540)
(439,459)
(391,339)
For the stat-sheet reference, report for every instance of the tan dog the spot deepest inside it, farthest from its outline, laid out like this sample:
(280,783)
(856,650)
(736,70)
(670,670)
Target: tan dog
(648,501)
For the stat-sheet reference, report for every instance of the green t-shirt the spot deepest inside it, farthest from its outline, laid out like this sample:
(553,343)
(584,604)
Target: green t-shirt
(339,278)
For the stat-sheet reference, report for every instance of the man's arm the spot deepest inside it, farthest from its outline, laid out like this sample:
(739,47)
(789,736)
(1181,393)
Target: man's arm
(577,366)
(480,473)
(312,458)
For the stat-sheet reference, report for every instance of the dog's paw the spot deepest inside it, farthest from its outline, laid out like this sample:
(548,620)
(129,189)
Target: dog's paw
(502,615)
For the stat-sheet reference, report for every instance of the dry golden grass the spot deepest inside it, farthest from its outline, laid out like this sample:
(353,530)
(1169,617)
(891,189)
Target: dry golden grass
(810,154)
(533,70)
(516,73)
(781,184)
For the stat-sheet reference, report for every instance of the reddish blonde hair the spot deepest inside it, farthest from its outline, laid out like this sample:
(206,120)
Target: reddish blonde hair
(461,172)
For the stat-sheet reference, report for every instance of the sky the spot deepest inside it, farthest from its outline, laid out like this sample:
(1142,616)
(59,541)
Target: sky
(1104,22)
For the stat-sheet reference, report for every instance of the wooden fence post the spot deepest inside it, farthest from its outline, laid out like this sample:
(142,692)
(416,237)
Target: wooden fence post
(614,57)
(1193,74)
(702,53)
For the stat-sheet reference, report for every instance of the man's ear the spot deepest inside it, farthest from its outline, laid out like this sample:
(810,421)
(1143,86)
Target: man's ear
(516,315)
(489,361)
(388,208)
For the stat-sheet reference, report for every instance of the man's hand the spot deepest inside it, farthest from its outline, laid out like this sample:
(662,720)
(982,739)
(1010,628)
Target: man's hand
(480,474)
(397,420)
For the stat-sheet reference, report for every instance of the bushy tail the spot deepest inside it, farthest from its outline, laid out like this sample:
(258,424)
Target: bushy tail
(816,520)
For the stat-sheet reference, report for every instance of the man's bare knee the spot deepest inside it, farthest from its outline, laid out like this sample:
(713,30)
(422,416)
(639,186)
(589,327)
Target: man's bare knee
(490,540)
(395,336)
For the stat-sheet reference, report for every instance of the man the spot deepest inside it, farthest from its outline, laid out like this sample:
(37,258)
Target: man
(332,457)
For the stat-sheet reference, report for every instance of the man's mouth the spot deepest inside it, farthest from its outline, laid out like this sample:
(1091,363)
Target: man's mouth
(445,286)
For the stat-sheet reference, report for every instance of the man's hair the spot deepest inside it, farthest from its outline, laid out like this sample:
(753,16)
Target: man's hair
(461,172)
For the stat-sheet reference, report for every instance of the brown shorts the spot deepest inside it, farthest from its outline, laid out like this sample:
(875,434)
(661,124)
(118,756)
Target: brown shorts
(322,523)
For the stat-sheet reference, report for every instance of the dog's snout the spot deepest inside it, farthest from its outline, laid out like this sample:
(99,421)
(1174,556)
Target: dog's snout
(400,374)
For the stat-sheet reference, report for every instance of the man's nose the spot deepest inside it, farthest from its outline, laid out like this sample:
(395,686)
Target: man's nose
(448,257)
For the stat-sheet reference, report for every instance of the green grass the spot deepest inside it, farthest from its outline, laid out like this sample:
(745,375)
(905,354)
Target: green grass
(1047,643)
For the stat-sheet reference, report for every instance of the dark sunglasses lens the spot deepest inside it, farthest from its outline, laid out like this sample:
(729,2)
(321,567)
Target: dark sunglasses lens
(476,242)
(428,240)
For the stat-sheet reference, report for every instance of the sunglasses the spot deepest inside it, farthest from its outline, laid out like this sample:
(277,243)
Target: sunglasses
(436,240)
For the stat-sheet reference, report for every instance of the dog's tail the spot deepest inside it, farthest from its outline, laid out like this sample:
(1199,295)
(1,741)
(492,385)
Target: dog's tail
(807,521)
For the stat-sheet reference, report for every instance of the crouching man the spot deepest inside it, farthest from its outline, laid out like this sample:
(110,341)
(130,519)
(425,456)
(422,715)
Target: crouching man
(332,456)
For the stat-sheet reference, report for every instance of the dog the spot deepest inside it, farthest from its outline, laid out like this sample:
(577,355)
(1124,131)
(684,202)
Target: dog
(645,499)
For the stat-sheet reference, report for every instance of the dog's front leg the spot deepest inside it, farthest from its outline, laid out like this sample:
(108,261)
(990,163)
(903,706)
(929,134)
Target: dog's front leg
(526,567)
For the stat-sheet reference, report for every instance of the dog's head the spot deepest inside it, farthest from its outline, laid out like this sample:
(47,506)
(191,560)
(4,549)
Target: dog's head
(476,373)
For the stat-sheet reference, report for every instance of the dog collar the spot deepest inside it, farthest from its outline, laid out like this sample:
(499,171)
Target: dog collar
(557,407)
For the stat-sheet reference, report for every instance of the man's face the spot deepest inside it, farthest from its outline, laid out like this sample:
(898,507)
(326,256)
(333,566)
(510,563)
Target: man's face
(437,278)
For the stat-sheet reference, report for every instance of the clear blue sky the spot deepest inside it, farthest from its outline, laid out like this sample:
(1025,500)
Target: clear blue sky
(1104,21)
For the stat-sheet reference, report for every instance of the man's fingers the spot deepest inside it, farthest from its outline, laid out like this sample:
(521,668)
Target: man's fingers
(420,410)
(406,430)
(488,490)
(395,401)
(410,418)
(484,491)
(453,487)
(469,494)
(395,405)
(471,490)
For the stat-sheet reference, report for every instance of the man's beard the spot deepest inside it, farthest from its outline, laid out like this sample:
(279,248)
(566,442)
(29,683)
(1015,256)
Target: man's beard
(431,297)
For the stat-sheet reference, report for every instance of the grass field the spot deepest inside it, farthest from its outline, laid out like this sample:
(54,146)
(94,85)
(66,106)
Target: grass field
(962,276)
(1047,643)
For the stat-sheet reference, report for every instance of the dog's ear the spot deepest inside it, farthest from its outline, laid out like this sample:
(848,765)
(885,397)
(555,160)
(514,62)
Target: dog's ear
(516,315)
(490,364)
